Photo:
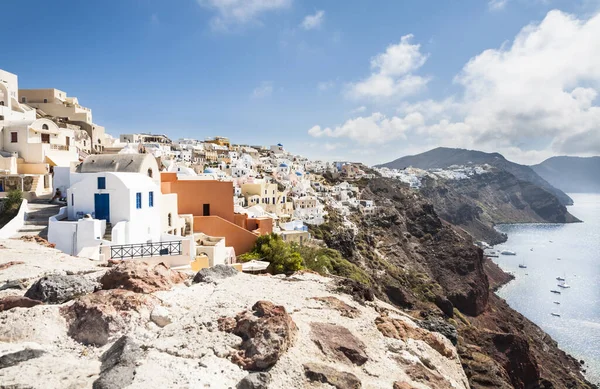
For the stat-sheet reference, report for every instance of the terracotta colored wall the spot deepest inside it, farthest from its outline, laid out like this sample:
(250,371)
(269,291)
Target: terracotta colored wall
(265,225)
(235,236)
(193,194)
(240,220)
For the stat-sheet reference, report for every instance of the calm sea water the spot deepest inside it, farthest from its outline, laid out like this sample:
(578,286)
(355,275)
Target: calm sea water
(538,246)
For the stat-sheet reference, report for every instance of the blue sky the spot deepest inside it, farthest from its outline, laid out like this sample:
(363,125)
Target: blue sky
(260,72)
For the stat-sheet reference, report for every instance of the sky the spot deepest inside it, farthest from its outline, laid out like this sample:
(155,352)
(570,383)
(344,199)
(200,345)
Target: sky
(355,80)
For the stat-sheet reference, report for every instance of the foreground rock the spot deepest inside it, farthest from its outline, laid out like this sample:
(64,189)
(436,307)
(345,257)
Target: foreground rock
(141,277)
(118,364)
(17,357)
(328,375)
(58,289)
(11,302)
(255,381)
(217,272)
(98,317)
(339,343)
(267,332)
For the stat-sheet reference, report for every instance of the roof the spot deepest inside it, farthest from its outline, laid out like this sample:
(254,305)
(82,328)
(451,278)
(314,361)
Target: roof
(283,165)
(124,163)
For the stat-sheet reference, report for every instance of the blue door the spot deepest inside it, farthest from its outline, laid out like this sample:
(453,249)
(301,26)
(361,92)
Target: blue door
(102,206)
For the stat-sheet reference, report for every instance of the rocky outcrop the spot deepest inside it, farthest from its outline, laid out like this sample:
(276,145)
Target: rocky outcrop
(119,364)
(217,272)
(258,380)
(339,343)
(267,332)
(4,266)
(11,302)
(141,277)
(13,359)
(58,289)
(339,305)
(97,318)
(328,375)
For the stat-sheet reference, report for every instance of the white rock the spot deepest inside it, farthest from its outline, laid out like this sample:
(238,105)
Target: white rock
(161,316)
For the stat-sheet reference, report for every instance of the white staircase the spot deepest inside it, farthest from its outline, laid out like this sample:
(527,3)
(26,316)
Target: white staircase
(36,222)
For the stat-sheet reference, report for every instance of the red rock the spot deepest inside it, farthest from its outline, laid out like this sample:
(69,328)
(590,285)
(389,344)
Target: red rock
(141,277)
(6,265)
(328,375)
(267,333)
(338,342)
(11,302)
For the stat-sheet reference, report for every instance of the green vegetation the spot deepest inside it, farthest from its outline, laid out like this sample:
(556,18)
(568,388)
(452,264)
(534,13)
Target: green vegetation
(290,257)
(11,204)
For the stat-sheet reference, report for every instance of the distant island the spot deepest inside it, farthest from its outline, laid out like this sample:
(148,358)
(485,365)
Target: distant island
(571,174)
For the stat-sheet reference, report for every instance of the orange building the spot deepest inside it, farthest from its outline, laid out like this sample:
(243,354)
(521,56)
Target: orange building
(211,203)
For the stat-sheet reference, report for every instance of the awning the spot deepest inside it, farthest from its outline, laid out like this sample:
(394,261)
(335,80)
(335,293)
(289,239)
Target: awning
(61,160)
(255,265)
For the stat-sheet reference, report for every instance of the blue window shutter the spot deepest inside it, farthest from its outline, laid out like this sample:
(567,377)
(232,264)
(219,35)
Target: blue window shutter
(101,183)
(151,199)
(138,200)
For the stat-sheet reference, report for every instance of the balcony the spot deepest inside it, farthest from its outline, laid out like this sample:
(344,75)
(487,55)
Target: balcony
(59,147)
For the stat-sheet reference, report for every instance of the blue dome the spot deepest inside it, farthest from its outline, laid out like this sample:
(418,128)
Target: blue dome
(209,170)
(298,173)
(279,144)
(283,165)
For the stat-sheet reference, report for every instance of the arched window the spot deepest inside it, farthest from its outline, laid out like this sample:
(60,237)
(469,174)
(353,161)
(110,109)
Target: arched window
(150,172)
(44,126)
(169,220)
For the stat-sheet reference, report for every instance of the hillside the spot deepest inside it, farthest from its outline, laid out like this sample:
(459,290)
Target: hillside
(443,157)
(431,270)
(478,203)
(571,174)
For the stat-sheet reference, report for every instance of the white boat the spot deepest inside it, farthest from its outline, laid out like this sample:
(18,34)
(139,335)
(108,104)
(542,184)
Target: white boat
(564,285)
(507,252)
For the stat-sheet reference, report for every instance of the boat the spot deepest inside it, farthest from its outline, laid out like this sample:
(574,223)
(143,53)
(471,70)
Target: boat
(558,259)
(491,253)
(560,278)
(557,302)
(507,252)
(522,266)
(555,291)
(531,249)
(555,314)
(564,285)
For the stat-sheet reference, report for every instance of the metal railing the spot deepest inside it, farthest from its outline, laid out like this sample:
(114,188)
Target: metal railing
(142,250)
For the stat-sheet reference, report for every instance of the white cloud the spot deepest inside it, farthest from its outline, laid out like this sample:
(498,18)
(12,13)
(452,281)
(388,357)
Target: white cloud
(360,109)
(392,73)
(497,5)
(240,12)
(531,98)
(325,85)
(312,22)
(376,129)
(265,89)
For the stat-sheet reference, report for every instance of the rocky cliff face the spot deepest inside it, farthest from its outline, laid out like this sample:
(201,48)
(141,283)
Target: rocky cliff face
(152,327)
(477,203)
(427,267)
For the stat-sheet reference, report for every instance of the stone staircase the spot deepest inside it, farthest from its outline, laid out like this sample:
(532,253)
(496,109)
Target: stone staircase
(36,222)
(108,232)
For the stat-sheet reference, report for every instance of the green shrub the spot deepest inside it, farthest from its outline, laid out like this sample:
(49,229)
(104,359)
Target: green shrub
(14,199)
(281,255)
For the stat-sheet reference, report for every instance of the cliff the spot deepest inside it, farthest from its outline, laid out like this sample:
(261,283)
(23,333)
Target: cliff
(431,270)
(443,157)
(152,327)
(571,174)
(477,203)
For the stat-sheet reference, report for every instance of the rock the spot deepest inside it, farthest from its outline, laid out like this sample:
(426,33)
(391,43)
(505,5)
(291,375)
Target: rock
(400,329)
(400,296)
(58,289)
(6,265)
(118,364)
(17,357)
(217,272)
(360,292)
(161,316)
(335,303)
(95,318)
(141,277)
(255,381)
(339,343)
(11,302)
(328,375)
(15,284)
(403,385)
(444,305)
(442,327)
(267,333)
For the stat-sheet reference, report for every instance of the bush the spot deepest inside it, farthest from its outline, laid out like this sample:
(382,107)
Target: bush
(329,261)
(271,248)
(14,199)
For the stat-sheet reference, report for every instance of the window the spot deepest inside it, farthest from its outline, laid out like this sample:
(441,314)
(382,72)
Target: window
(150,172)
(169,220)
(72,199)
(44,126)
(23,99)
(45,100)
(206,209)
(151,199)
(45,138)
(2,103)
(14,138)
(138,200)
(101,182)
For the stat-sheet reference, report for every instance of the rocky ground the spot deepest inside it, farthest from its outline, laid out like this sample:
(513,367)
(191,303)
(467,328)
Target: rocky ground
(71,323)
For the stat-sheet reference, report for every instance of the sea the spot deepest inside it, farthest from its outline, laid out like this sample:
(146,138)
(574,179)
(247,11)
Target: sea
(570,251)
